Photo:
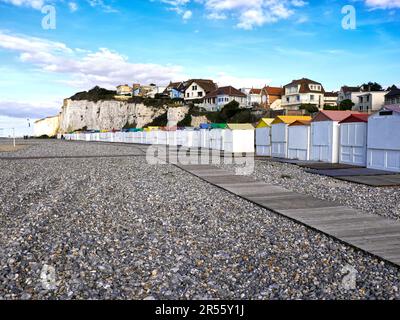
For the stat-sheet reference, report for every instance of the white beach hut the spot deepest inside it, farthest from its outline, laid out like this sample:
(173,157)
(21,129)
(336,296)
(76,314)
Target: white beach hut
(325,134)
(299,140)
(118,137)
(263,137)
(216,138)
(280,134)
(384,140)
(193,139)
(239,138)
(353,140)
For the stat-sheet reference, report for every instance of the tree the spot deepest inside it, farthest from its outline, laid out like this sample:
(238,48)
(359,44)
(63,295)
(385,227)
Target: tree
(346,105)
(371,86)
(329,107)
(229,110)
(310,108)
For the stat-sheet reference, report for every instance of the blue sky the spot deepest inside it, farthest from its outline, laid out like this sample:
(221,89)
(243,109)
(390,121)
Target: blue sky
(238,42)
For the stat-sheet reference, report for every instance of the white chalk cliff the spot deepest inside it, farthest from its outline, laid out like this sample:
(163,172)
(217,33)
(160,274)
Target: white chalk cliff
(105,115)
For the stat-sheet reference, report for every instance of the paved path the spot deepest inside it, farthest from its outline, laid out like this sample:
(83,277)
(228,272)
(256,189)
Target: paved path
(374,234)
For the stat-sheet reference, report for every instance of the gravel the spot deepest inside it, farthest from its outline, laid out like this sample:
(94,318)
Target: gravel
(382,201)
(118,228)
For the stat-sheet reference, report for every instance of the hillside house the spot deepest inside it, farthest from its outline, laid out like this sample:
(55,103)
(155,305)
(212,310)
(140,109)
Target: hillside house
(198,88)
(217,99)
(303,91)
(271,98)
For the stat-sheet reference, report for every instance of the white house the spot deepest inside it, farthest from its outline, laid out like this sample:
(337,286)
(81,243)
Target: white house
(217,99)
(370,101)
(254,97)
(349,93)
(198,88)
(124,90)
(303,91)
(331,99)
(392,99)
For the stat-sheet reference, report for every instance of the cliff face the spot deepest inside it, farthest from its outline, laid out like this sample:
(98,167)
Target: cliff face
(105,115)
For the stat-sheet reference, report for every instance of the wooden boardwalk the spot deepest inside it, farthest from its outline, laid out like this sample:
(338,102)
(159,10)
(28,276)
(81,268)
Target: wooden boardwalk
(374,234)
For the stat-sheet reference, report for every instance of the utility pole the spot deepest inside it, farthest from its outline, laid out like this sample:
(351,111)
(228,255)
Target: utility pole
(13,129)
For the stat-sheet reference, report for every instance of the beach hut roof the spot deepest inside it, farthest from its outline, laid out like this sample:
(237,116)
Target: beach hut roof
(218,126)
(237,126)
(332,115)
(360,117)
(301,123)
(265,122)
(290,119)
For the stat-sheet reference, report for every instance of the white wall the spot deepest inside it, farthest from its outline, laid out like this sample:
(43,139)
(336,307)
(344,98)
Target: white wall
(194,94)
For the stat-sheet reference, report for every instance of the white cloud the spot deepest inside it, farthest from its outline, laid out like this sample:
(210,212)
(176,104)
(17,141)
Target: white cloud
(84,69)
(73,6)
(35,4)
(383,4)
(249,13)
(187,15)
(27,109)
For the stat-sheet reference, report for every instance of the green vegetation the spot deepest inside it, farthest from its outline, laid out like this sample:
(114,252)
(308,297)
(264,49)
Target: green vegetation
(309,108)
(346,105)
(371,86)
(328,107)
(130,125)
(160,121)
(95,94)
(185,122)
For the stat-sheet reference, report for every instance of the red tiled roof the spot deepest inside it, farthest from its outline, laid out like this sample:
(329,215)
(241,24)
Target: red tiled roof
(358,117)
(331,94)
(273,91)
(330,115)
(229,91)
(255,91)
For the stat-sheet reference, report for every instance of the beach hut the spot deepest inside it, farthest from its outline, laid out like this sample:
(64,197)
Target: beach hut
(299,140)
(325,135)
(192,139)
(172,136)
(384,140)
(205,135)
(217,135)
(263,137)
(162,137)
(353,140)
(118,137)
(280,133)
(181,136)
(239,138)
(151,135)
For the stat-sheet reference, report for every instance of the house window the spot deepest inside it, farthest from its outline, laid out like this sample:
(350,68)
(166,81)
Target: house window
(194,88)
(287,99)
(188,95)
(199,94)
(312,97)
(298,98)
